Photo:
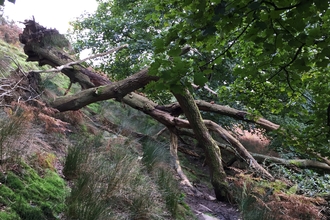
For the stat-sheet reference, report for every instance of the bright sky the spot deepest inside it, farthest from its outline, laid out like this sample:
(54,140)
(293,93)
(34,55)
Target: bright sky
(49,13)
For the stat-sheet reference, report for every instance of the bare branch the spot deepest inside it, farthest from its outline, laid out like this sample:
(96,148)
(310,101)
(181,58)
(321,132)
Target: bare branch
(206,87)
(70,64)
(174,108)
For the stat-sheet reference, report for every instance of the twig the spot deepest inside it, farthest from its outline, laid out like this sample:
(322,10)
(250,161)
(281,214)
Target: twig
(69,65)
(206,87)
(17,64)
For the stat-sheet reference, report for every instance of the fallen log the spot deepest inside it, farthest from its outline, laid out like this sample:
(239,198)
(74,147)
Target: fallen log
(301,163)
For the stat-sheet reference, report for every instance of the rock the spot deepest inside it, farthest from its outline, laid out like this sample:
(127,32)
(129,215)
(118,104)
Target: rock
(203,208)
(203,216)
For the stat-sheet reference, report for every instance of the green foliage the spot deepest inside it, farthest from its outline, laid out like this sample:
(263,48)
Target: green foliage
(306,181)
(118,26)
(279,48)
(267,57)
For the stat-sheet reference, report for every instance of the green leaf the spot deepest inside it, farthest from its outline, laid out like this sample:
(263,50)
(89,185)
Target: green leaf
(323,63)
(177,88)
(200,79)
(220,9)
(209,30)
(159,45)
(261,25)
(174,52)
(293,189)
(254,5)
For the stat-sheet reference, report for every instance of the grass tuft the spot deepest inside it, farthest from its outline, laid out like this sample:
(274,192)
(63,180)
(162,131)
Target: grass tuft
(110,182)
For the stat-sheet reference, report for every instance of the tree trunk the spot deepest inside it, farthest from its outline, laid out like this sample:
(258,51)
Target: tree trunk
(212,151)
(177,166)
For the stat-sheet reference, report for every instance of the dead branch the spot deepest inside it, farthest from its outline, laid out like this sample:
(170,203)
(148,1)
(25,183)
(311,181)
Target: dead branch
(175,109)
(206,87)
(177,166)
(70,64)
(301,163)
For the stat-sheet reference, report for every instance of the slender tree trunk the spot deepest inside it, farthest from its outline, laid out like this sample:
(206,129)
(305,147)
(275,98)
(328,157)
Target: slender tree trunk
(212,151)
(178,169)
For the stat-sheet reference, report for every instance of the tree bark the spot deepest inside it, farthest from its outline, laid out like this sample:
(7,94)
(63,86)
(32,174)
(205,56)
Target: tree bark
(116,90)
(212,151)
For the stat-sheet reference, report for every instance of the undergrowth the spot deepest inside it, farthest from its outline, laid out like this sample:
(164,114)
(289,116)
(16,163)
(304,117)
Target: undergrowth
(24,192)
(157,159)
(261,199)
(110,182)
(11,131)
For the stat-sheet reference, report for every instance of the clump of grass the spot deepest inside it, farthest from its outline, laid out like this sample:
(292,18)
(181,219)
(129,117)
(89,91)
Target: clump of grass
(84,202)
(74,161)
(169,188)
(155,155)
(158,161)
(112,184)
(11,129)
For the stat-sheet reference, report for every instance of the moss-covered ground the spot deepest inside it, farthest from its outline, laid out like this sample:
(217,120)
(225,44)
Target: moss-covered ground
(24,194)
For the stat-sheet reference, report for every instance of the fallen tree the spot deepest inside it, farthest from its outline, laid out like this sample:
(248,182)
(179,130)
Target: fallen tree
(46,47)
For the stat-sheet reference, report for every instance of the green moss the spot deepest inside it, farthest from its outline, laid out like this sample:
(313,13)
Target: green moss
(14,182)
(95,107)
(29,196)
(9,214)
(7,195)
(278,186)
(296,163)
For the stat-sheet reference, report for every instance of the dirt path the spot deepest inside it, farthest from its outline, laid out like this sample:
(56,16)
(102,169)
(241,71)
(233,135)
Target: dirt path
(206,207)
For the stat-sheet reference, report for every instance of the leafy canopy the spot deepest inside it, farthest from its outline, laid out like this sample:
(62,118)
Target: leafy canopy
(270,57)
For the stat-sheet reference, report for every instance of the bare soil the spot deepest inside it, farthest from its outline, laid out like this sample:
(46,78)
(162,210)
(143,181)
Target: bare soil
(205,204)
